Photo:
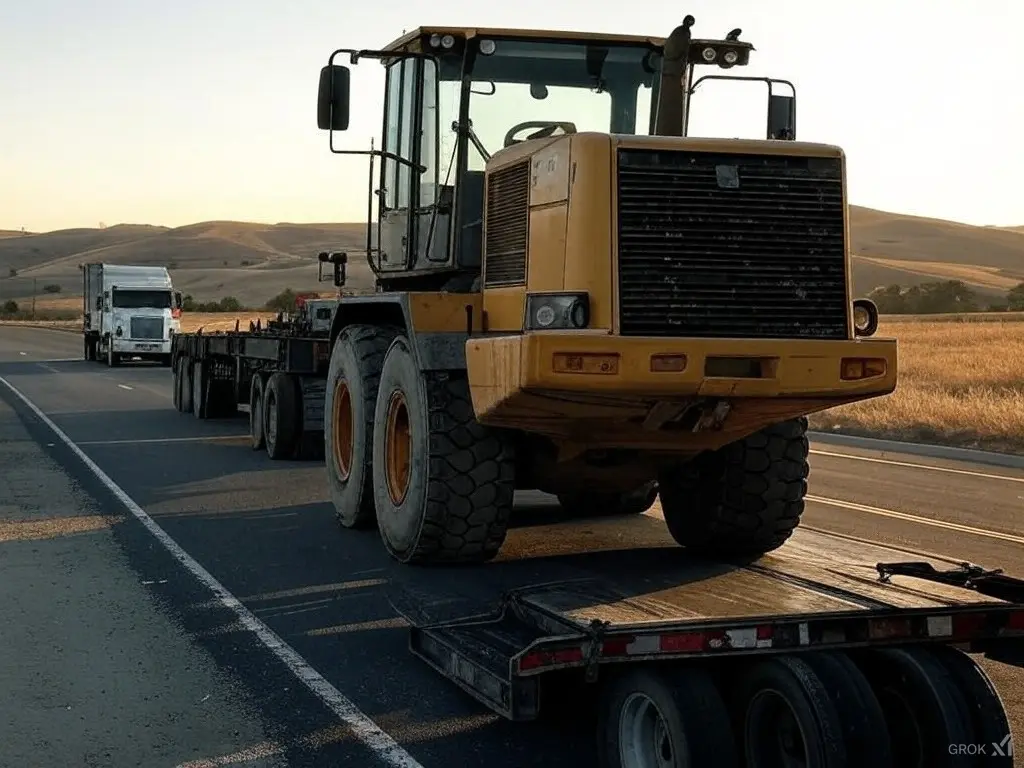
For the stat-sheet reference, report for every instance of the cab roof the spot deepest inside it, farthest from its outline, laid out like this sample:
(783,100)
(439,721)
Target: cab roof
(536,34)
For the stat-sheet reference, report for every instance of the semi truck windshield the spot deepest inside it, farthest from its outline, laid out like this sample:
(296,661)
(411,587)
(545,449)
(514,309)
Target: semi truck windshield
(141,299)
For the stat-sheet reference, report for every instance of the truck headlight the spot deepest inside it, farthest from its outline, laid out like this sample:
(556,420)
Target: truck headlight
(865,317)
(557,311)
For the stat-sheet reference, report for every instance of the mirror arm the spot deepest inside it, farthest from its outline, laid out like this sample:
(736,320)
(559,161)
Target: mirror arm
(381,153)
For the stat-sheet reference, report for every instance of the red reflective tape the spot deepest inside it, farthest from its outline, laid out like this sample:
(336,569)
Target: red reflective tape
(1015,620)
(765,632)
(539,659)
(681,642)
(880,629)
(616,646)
(966,625)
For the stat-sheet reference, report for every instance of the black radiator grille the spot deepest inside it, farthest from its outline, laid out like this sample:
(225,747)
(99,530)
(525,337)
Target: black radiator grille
(727,245)
(508,199)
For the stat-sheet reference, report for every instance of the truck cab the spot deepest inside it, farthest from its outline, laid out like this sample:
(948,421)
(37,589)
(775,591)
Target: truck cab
(130,312)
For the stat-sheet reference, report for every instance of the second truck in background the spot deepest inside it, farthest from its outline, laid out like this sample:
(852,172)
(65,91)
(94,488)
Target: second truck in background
(129,311)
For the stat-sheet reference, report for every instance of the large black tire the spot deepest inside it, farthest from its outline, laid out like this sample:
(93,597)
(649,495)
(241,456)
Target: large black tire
(784,708)
(282,416)
(694,728)
(187,398)
(200,390)
(926,710)
(865,733)
(457,480)
(988,715)
(598,504)
(257,431)
(742,500)
(176,386)
(351,399)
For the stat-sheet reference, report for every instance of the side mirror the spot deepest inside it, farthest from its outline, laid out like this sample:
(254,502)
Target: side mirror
(177,300)
(332,99)
(99,303)
(339,260)
(781,117)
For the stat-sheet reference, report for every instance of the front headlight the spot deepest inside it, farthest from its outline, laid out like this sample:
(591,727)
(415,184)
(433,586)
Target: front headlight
(557,311)
(865,317)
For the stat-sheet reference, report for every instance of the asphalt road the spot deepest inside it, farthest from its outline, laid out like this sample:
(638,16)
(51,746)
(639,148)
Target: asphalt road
(120,654)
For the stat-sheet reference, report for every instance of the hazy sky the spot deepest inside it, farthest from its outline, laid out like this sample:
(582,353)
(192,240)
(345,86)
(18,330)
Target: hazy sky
(175,112)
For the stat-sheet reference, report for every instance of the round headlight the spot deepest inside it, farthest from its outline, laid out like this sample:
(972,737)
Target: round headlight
(435,41)
(708,54)
(544,316)
(730,57)
(861,317)
(578,315)
(447,41)
(487,47)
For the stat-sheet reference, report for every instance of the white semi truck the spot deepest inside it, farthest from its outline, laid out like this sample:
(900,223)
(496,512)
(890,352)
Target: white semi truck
(129,312)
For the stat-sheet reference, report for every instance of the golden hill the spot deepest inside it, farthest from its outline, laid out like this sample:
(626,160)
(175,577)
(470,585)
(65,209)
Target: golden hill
(254,262)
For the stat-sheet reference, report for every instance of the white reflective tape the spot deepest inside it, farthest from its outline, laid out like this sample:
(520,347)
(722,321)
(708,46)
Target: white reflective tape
(644,644)
(940,626)
(742,638)
(766,643)
(805,634)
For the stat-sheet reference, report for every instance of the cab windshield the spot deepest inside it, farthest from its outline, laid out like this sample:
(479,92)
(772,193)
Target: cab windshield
(591,87)
(142,299)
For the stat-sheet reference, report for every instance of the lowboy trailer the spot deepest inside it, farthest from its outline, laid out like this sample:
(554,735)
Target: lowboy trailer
(831,652)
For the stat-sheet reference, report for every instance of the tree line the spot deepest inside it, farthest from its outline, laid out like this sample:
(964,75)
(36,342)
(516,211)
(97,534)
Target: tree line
(948,296)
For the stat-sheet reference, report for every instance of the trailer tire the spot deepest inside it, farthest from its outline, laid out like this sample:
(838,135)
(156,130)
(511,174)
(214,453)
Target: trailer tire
(642,710)
(176,385)
(803,704)
(282,415)
(443,483)
(257,433)
(599,504)
(865,730)
(349,404)
(200,390)
(744,499)
(988,715)
(187,398)
(923,705)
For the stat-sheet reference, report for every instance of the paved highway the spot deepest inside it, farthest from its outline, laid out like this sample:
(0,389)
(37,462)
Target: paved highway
(142,644)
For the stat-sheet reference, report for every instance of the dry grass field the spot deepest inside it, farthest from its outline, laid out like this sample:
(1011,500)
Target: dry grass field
(961,382)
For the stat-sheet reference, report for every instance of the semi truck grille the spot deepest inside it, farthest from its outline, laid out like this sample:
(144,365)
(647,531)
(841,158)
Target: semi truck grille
(147,328)
(507,234)
(727,245)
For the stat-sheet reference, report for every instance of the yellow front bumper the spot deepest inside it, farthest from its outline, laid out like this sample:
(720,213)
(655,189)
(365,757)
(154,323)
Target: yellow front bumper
(537,380)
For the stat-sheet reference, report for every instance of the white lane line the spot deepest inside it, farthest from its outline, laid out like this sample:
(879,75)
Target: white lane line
(914,465)
(125,386)
(49,368)
(158,440)
(363,728)
(891,513)
(23,354)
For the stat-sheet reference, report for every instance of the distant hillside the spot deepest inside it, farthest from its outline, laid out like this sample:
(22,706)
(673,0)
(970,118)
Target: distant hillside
(254,262)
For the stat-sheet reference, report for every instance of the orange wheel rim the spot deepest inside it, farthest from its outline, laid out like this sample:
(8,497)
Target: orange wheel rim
(341,421)
(397,448)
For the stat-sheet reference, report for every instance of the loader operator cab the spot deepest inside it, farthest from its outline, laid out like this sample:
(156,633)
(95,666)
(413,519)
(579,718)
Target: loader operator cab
(456,97)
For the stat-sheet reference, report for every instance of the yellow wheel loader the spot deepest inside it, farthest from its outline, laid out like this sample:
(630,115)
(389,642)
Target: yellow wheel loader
(575,296)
